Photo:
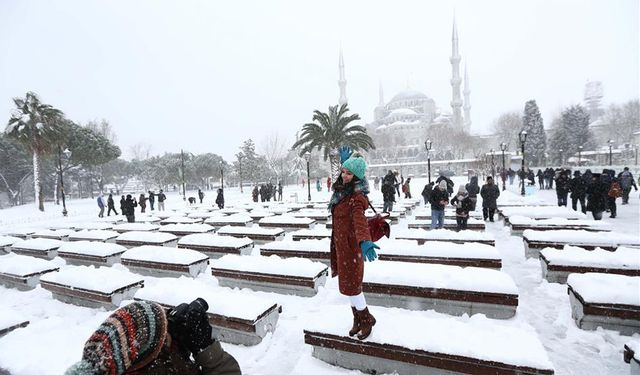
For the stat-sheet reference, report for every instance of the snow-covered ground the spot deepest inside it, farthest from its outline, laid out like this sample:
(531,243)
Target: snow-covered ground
(57,332)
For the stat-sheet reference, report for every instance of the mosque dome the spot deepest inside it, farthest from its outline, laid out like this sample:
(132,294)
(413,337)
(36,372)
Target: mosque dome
(409,94)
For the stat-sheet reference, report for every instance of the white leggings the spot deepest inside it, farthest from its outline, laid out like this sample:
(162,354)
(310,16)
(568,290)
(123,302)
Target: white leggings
(358,302)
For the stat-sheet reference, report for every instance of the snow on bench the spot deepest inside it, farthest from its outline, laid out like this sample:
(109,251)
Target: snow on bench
(115,219)
(317,215)
(148,219)
(519,224)
(257,234)
(10,321)
(558,264)
(296,276)
(232,211)
(132,239)
(401,210)
(447,289)
(186,229)
(311,234)
(216,246)
(86,253)
(295,206)
(472,224)
(393,216)
(60,234)
(23,272)
(237,220)
(160,261)
(286,222)
(632,356)
(448,214)
(236,318)
(94,235)
(426,344)
(278,210)
(93,226)
(510,199)
(463,236)
(135,227)
(541,212)
(605,300)
(6,242)
(315,250)
(180,220)
(92,287)
(259,214)
(37,247)
(536,240)
(23,234)
(203,215)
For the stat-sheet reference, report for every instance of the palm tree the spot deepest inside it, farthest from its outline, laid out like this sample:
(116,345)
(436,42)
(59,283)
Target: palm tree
(35,125)
(331,130)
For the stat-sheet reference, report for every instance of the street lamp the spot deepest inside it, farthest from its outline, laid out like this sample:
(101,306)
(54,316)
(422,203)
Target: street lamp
(222,175)
(66,153)
(240,172)
(493,165)
(523,139)
(560,154)
(579,155)
(427,146)
(503,148)
(307,156)
(610,154)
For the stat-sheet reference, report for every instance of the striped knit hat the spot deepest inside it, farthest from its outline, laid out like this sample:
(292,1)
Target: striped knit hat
(128,340)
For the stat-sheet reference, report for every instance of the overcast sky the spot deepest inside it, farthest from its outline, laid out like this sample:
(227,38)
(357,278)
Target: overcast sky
(205,75)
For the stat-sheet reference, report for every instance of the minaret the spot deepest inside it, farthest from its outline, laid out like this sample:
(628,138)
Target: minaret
(456,101)
(378,112)
(342,82)
(467,101)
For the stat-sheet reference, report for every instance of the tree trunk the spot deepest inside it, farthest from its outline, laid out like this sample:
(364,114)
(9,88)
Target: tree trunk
(334,160)
(36,182)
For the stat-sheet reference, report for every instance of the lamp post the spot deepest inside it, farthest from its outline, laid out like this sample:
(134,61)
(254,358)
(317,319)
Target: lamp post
(184,187)
(222,175)
(523,139)
(427,146)
(493,165)
(579,155)
(560,154)
(240,171)
(503,148)
(66,153)
(610,153)
(307,156)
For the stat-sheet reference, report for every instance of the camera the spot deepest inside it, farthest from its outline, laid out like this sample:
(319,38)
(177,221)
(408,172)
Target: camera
(189,326)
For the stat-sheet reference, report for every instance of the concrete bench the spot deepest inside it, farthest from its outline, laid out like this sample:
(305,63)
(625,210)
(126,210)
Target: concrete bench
(465,236)
(286,222)
(135,227)
(300,277)
(37,247)
(475,346)
(236,220)
(540,212)
(23,234)
(216,246)
(23,272)
(257,234)
(232,211)
(133,239)
(278,210)
(60,234)
(448,214)
(605,300)
(322,215)
(632,357)
(394,217)
(259,214)
(180,230)
(180,220)
(86,253)
(98,225)
(311,234)
(447,289)
(6,242)
(472,224)
(535,240)
(160,261)
(558,264)
(92,287)
(519,224)
(315,250)
(94,235)
(235,318)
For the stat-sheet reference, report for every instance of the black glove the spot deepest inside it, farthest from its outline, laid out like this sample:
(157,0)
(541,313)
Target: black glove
(198,332)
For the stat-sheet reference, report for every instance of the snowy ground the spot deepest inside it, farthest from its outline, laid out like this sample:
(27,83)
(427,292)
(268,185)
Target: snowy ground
(57,332)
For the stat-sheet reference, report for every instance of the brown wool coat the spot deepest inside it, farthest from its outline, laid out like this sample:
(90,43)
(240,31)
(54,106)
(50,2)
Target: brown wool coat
(349,229)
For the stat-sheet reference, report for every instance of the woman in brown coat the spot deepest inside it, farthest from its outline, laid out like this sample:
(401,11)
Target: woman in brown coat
(351,241)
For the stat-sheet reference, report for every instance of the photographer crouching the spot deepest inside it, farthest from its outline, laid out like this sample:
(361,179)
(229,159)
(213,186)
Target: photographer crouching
(143,338)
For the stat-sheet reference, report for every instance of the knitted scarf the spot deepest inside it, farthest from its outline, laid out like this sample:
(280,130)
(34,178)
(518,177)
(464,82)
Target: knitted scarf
(342,191)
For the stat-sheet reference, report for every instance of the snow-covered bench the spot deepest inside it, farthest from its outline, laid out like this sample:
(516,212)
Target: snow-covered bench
(37,247)
(558,264)
(186,229)
(632,356)
(278,209)
(6,242)
(519,224)
(311,234)
(94,235)
(132,239)
(160,261)
(605,300)
(10,322)
(446,235)
(448,214)
(270,274)
(203,215)
(259,214)
(135,227)
(315,250)
(236,220)
(23,234)
(318,215)
(92,287)
(394,217)
(60,234)
(232,211)
(536,240)
(472,224)
(180,220)
(23,272)
(540,212)
(447,289)
(236,318)
(148,219)
(511,199)
(86,253)
(216,246)
(406,342)
(98,225)
(287,222)
(257,234)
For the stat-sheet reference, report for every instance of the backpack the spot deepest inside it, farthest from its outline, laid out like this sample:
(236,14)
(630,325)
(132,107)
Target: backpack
(615,191)
(378,225)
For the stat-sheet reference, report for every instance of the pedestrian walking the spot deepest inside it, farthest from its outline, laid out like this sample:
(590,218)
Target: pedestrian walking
(122,200)
(200,195)
(111,205)
(626,183)
(161,199)
(280,191)
(578,190)
(255,193)
(597,193)
(473,189)
(489,193)
(562,188)
(438,199)
(128,208)
(406,188)
(388,192)
(152,199)
(220,198)
(101,205)
(615,192)
(142,202)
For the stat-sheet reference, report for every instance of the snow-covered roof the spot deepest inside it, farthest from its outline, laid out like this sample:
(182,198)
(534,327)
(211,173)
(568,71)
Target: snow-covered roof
(402,112)
(409,94)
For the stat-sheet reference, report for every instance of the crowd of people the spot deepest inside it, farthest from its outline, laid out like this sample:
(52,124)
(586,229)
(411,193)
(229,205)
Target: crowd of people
(128,203)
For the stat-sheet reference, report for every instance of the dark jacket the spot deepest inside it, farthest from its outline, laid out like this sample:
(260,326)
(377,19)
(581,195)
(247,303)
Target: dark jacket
(220,198)
(562,183)
(597,191)
(388,193)
(578,187)
(463,204)
(128,207)
(490,194)
(161,197)
(626,180)
(437,196)
(213,360)
(449,183)
(426,192)
(110,202)
(472,187)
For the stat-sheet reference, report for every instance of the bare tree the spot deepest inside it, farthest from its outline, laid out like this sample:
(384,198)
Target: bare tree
(507,126)
(274,147)
(103,128)
(140,151)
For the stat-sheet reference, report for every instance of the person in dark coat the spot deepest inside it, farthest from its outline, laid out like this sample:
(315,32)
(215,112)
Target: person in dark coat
(540,176)
(613,193)
(255,193)
(473,189)
(111,205)
(142,201)
(388,196)
(152,199)
(578,189)
(489,194)
(200,195)
(625,178)
(531,177)
(220,199)
(161,199)
(351,241)
(562,188)
(128,208)
(122,200)
(426,192)
(597,192)
(406,188)
(462,204)
(280,191)
(438,199)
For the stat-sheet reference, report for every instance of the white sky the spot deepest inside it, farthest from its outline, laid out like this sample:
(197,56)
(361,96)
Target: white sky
(205,75)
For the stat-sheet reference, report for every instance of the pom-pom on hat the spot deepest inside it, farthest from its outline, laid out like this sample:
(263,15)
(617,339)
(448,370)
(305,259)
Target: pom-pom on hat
(129,339)
(356,165)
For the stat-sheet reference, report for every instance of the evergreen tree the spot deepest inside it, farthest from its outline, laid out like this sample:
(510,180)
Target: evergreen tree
(570,130)
(536,144)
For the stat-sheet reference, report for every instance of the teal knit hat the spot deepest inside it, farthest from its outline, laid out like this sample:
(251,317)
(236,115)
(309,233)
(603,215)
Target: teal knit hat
(356,165)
